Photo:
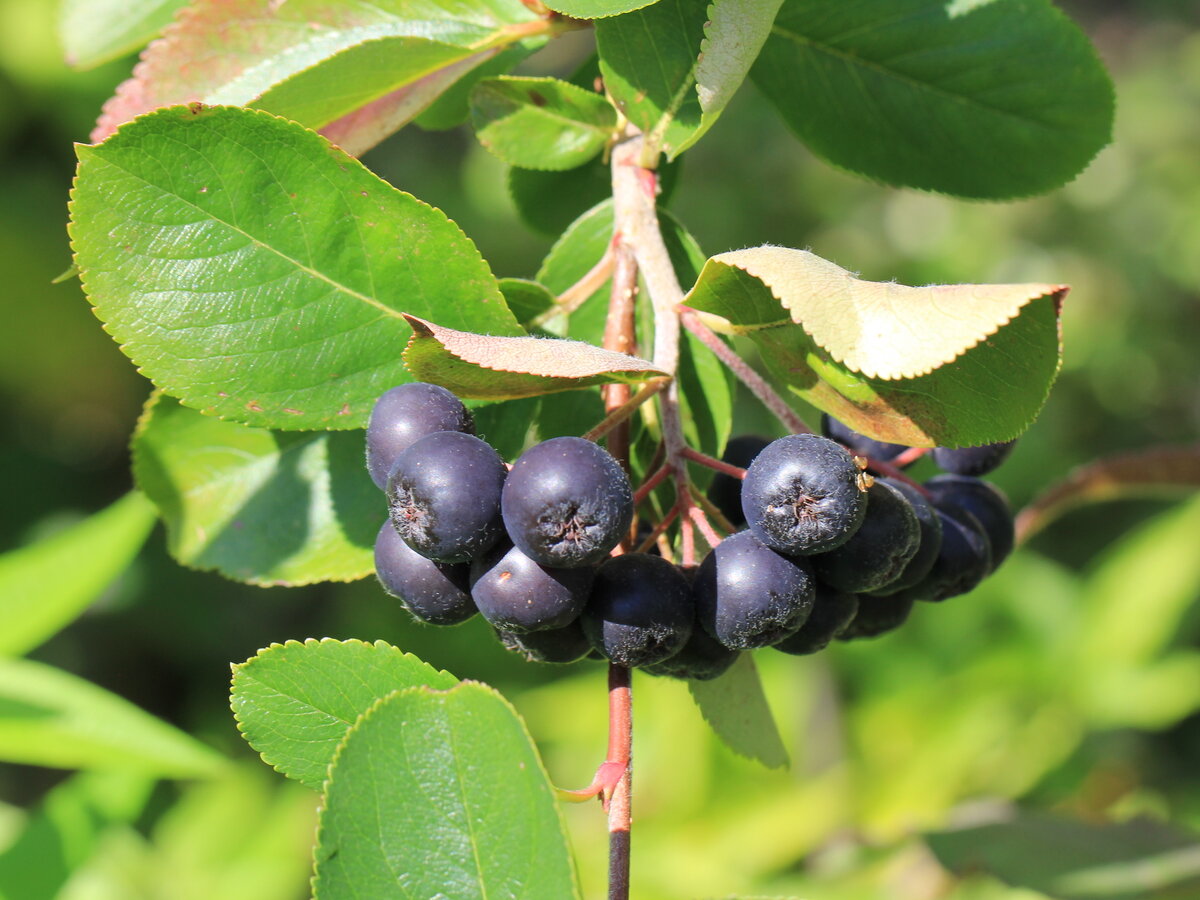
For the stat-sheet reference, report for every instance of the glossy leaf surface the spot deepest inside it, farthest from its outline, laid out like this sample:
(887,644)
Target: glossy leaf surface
(294,702)
(466,809)
(990,99)
(95,31)
(260,274)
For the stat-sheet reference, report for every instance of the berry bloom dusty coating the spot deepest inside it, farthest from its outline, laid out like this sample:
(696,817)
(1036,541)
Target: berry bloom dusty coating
(701,659)
(567,503)
(877,553)
(433,592)
(557,645)
(801,495)
(404,415)
(640,611)
(748,595)
(832,612)
(444,496)
(516,594)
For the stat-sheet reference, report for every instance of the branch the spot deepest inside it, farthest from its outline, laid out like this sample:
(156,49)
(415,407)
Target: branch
(578,293)
(625,410)
(745,374)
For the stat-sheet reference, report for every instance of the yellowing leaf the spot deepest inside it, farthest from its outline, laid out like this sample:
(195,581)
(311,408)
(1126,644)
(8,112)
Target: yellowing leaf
(881,329)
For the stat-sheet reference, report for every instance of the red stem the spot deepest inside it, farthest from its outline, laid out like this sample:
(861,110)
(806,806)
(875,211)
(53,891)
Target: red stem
(709,462)
(659,529)
(710,534)
(756,383)
(650,484)
(620,754)
(909,456)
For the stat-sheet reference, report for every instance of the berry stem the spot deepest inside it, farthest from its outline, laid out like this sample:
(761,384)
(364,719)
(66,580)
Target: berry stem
(620,752)
(659,530)
(889,470)
(575,296)
(715,464)
(715,515)
(757,385)
(909,456)
(650,484)
(697,515)
(620,413)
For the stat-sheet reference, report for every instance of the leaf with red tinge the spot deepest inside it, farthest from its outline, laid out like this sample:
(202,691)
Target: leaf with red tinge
(1156,472)
(487,367)
(358,71)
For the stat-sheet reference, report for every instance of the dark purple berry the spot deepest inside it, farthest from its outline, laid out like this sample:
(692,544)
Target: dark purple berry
(701,659)
(748,595)
(859,444)
(877,553)
(725,491)
(433,592)
(801,495)
(985,502)
(516,594)
(444,496)
(972,460)
(931,539)
(832,611)
(404,415)
(877,615)
(567,503)
(558,645)
(962,561)
(640,611)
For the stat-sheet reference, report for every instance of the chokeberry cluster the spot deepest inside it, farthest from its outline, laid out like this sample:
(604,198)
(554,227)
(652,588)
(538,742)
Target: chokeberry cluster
(827,551)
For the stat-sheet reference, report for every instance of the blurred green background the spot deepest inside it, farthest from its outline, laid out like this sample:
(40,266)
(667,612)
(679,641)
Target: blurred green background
(1070,682)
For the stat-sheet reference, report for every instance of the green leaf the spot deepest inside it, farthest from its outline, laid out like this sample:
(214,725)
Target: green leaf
(733,36)
(506,425)
(1136,860)
(527,299)
(989,99)
(441,793)
(595,9)
(51,718)
(359,70)
(918,366)
(44,586)
(541,123)
(648,59)
(736,707)
(488,367)
(453,105)
(95,31)
(265,507)
(259,274)
(295,702)
(1152,472)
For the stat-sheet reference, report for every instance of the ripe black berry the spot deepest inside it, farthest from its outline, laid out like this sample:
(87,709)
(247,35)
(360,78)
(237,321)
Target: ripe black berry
(931,539)
(444,496)
(748,595)
(640,611)
(567,503)
(860,444)
(701,659)
(877,553)
(985,502)
(832,612)
(557,645)
(801,495)
(725,491)
(433,592)
(516,594)
(972,460)
(404,415)
(878,615)
(962,562)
